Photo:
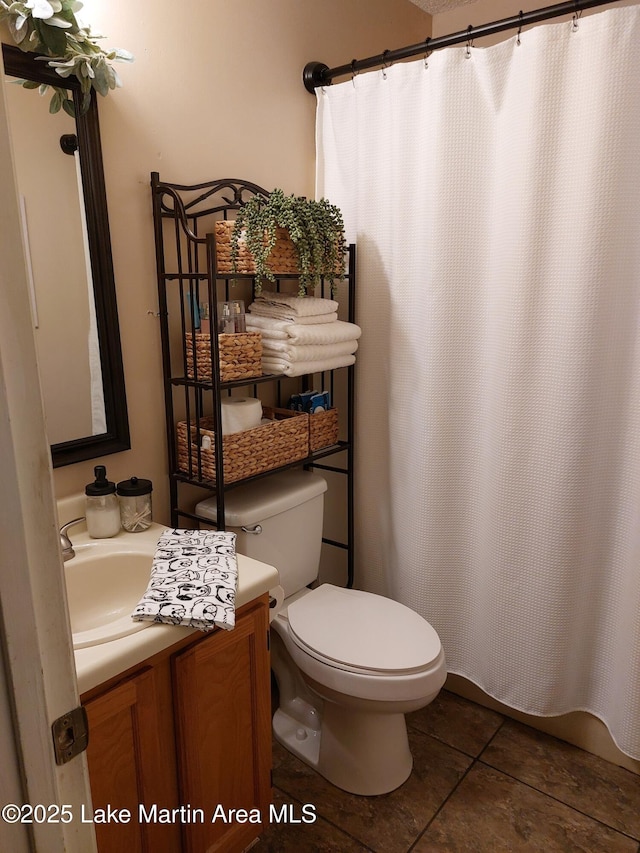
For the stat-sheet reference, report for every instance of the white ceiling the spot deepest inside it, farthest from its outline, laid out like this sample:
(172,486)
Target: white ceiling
(434,7)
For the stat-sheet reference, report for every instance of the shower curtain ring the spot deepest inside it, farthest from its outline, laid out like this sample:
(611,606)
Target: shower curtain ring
(469,43)
(518,42)
(427,52)
(576,17)
(353,72)
(385,64)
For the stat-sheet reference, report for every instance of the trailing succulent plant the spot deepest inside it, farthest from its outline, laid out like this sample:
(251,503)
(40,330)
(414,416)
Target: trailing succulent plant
(316,229)
(50,28)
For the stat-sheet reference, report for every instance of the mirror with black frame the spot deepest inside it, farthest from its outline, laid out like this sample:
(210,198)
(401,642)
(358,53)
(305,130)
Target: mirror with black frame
(60,179)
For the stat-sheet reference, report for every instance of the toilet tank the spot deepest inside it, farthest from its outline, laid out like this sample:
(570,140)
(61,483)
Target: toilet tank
(289,508)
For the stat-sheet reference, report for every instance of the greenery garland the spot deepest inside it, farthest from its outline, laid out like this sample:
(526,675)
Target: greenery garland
(316,229)
(50,27)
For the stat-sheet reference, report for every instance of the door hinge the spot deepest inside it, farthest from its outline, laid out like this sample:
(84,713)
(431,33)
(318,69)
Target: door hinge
(70,735)
(268,640)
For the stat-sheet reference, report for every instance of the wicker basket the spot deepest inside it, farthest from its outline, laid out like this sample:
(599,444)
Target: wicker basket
(269,446)
(323,429)
(283,258)
(240,355)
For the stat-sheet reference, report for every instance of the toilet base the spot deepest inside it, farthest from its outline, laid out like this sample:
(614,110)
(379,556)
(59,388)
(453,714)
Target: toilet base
(363,753)
(301,740)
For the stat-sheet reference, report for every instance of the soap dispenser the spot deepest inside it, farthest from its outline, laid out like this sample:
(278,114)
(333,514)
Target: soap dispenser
(103,508)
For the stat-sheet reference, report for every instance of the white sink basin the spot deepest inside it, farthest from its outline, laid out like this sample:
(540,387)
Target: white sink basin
(105,581)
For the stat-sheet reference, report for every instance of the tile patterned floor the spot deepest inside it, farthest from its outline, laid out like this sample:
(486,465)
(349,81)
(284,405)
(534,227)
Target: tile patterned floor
(481,783)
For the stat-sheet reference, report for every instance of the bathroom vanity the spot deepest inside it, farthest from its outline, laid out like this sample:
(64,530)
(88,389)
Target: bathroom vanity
(179,720)
(181,739)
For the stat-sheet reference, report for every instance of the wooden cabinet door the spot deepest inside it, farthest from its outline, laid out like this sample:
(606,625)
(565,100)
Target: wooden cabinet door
(131,759)
(223,723)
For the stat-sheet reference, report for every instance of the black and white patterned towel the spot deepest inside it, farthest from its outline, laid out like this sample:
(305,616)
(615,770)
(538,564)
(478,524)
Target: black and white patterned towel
(193,581)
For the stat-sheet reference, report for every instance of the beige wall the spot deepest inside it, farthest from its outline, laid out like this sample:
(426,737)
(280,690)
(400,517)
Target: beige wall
(215,91)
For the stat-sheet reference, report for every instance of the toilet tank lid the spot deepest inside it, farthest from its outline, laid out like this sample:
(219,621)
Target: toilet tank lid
(254,502)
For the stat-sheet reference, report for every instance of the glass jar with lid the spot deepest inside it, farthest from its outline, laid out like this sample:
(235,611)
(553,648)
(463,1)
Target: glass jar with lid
(135,504)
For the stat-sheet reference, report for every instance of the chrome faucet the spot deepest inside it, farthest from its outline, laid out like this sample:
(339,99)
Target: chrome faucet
(65,542)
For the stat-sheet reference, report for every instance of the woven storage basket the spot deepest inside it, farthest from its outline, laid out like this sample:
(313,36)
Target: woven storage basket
(283,258)
(323,429)
(240,355)
(282,441)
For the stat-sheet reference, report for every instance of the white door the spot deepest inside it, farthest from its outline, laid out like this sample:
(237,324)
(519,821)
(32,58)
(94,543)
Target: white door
(37,674)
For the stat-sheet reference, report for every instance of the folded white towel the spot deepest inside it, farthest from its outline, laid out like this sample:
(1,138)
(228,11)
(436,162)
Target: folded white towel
(332,333)
(306,352)
(320,333)
(262,309)
(302,368)
(268,326)
(193,581)
(299,306)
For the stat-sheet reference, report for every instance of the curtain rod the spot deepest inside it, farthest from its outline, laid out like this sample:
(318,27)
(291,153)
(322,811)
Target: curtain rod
(318,74)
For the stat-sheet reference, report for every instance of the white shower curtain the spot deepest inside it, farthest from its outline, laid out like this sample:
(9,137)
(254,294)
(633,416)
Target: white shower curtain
(495,202)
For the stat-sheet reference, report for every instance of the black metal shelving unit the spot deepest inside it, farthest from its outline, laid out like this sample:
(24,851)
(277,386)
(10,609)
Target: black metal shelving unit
(187,271)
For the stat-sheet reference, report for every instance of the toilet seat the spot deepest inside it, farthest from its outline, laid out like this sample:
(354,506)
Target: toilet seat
(362,633)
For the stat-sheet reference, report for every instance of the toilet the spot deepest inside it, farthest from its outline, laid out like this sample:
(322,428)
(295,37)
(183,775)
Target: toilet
(349,664)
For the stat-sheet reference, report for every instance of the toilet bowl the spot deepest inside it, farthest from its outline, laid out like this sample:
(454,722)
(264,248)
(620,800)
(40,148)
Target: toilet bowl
(369,661)
(349,664)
